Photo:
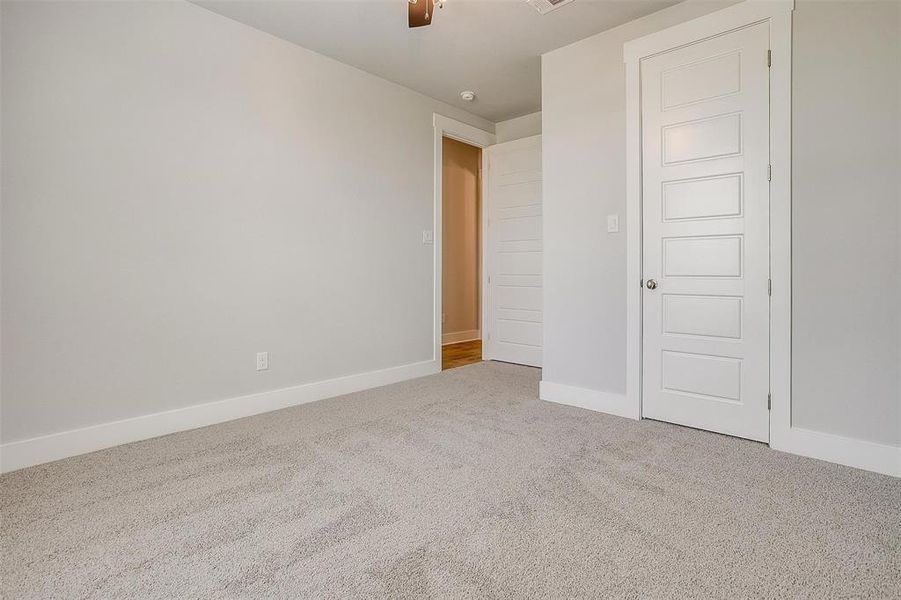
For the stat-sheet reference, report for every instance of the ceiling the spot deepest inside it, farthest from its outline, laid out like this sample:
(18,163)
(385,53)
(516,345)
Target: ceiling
(489,46)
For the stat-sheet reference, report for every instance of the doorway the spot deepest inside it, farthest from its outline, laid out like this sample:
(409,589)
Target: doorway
(508,248)
(461,306)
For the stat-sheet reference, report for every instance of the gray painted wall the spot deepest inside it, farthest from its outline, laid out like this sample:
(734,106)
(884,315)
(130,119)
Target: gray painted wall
(847,191)
(180,191)
(846,199)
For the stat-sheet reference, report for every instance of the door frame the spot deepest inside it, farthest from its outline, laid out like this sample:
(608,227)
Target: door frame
(457,130)
(778,13)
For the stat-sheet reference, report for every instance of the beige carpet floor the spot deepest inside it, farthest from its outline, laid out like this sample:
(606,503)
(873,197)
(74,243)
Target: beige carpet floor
(462,484)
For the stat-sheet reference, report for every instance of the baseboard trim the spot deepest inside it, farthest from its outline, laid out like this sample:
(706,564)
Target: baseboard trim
(605,402)
(850,452)
(460,336)
(38,450)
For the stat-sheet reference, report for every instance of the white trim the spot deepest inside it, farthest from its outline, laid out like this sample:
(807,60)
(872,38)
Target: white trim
(780,231)
(460,336)
(605,402)
(633,235)
(25,453)
(842,450)
(460,131)
(778,13)
(483,258)
(447,127)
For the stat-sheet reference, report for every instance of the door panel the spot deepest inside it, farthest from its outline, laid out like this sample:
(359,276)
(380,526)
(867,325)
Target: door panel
(702,198)
(702,256)
(705,194)
(710,316)
(702,139)
(703,80)
(715,377)
(514,251)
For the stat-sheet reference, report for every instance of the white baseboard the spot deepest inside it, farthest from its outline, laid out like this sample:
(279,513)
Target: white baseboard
(850,452)
(34,451)
(460,336)
(846,451)
(606,402)
(860,454)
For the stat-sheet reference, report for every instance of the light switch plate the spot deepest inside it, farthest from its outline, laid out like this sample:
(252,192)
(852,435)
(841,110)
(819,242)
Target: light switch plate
(612,223)
(427,237)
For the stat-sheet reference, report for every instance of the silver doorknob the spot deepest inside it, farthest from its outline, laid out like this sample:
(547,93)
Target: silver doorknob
(652,284)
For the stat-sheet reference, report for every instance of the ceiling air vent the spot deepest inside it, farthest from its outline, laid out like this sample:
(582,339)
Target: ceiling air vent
(546,6)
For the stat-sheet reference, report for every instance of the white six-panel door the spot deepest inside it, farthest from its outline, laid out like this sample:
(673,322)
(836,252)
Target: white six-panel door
(705,206)
(513,252)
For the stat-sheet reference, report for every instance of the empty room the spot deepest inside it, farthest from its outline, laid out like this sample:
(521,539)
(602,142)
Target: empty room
(450,299)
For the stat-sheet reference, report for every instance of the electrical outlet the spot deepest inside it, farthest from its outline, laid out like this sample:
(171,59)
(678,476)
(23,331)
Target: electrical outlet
(427,237)
(262,361)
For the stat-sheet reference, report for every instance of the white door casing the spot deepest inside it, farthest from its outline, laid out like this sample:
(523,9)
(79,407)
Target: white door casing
(705,219)
(513,251)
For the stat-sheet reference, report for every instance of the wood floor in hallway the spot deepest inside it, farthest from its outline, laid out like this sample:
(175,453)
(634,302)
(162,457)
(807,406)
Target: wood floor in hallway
(463,353)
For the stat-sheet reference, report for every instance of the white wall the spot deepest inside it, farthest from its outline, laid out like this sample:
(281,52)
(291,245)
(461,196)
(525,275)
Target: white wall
(846,200)
(180,191)
(847,181)
(519,127)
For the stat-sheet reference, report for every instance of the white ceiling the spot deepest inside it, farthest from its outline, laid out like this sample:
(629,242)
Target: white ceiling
(489,46)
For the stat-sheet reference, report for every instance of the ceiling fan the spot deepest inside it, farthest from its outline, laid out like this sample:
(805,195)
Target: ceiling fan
(421,12)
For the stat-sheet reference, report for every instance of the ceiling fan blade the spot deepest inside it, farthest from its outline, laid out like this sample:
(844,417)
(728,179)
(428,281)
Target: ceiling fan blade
(420,13)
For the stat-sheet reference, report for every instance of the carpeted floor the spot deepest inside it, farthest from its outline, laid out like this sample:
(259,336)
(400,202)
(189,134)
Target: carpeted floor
(462,484)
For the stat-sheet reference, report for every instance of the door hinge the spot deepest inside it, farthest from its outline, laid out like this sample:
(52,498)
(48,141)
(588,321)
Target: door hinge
(769,58)
(769,401)
(769,287)
(769,172)
(489,279)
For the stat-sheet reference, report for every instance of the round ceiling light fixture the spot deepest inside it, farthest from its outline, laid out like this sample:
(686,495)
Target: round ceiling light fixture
(468,95)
